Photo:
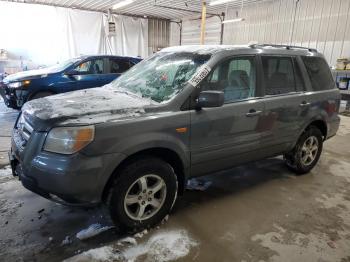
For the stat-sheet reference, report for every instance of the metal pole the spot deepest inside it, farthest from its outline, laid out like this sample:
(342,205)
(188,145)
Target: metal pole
(204,13)
(181,32)
(222,18)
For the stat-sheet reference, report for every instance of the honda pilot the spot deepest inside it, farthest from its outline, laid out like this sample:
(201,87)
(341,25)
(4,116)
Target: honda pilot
(184,112)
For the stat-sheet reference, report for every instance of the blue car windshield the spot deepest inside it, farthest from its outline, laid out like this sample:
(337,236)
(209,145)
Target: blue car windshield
(161,76)
(63,65)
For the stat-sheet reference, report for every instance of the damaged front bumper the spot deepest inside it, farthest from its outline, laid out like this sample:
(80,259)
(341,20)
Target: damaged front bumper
(13,97)
(32,185)
(75,180)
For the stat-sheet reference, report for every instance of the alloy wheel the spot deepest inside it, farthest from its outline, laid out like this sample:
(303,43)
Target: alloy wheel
(145,197)
(309,150)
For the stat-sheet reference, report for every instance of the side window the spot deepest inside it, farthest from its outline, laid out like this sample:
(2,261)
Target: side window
(235,77)
(278,75)
(94,66)
(214,77)
(319,73)
(118,66)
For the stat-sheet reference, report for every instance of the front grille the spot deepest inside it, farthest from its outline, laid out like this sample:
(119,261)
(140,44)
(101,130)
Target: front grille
(24,129)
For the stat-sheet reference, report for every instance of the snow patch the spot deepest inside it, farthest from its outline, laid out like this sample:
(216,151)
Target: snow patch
(66,241)
(202,49)
(162,247)
(105,253)
(141,234)
(91,231)
(127,240)
(6,171)
(89,106)
(6,174)
(195,184)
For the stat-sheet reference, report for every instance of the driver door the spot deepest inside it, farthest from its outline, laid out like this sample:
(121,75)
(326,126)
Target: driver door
(90,74)
(224,136)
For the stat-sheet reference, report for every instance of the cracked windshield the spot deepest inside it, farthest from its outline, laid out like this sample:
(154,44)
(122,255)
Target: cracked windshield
(162,76)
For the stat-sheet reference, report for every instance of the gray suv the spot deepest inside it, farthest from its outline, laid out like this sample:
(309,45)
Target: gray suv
(184,112)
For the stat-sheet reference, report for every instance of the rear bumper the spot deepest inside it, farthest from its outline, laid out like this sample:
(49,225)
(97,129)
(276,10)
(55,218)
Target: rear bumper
(76,180)
(333,127)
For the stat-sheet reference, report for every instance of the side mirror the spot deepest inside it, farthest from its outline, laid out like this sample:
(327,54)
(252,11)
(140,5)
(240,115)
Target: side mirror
(210,99)
(72,72)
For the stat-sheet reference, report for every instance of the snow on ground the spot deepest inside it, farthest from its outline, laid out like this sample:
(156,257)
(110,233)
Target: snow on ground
(141,234)
(66,241)
(6,174)
(161,247)
(127,240)
(195,184)
(6,171)
(91,231)
(164,246)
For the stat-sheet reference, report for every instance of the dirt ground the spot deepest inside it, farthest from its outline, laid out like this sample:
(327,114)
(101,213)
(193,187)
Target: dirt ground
(255,212)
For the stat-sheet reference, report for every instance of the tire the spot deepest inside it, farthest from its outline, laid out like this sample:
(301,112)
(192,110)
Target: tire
(305,156)
(127,214)
(40,95)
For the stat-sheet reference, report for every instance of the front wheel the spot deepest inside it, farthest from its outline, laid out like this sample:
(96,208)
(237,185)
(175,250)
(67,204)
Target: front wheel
(306,152)
(143,194)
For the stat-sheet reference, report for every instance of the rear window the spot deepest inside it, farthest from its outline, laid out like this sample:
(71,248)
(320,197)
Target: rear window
(319,73)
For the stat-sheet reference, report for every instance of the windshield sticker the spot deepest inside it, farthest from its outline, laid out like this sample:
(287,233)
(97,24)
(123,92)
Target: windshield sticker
(199,75)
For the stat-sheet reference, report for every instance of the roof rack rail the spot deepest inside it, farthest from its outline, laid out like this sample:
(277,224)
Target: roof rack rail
(283,46)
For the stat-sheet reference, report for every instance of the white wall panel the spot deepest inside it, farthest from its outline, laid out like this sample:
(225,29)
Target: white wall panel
(174,34)
(158,34)
(321,24)
(191,31)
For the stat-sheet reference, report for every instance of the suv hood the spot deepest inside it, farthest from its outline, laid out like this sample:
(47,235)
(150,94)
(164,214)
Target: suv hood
(89,106)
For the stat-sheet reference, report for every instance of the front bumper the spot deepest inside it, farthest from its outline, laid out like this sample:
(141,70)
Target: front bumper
(77,179)
(14,98)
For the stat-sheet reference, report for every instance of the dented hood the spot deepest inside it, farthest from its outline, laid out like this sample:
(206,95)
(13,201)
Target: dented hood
(88,106)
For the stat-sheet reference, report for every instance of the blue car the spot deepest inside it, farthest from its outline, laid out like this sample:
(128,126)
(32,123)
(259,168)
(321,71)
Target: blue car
(77,73)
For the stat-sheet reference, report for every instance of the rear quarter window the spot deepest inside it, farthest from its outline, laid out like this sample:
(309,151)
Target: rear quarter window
(319,73)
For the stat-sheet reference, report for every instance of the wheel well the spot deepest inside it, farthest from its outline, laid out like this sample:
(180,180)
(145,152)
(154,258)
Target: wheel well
(40,91)
(321,125)
(165,154)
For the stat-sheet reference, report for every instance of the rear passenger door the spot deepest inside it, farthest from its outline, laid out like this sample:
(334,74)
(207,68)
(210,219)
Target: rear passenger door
(284,102)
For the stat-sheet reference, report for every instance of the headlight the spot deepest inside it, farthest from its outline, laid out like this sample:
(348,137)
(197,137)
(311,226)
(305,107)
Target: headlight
(69,140)
(19,84)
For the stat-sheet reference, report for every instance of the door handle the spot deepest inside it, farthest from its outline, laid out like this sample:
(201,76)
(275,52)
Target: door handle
(304,103)
(253,112)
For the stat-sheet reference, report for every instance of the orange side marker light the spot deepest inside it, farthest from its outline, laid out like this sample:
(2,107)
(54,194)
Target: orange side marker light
(181,129)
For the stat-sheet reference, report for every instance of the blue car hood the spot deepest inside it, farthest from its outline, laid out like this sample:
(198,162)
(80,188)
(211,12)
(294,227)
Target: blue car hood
(30,74)
(88,106)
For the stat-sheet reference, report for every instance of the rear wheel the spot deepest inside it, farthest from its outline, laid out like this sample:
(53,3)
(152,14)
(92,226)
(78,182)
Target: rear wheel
(306,152)
(143,194)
